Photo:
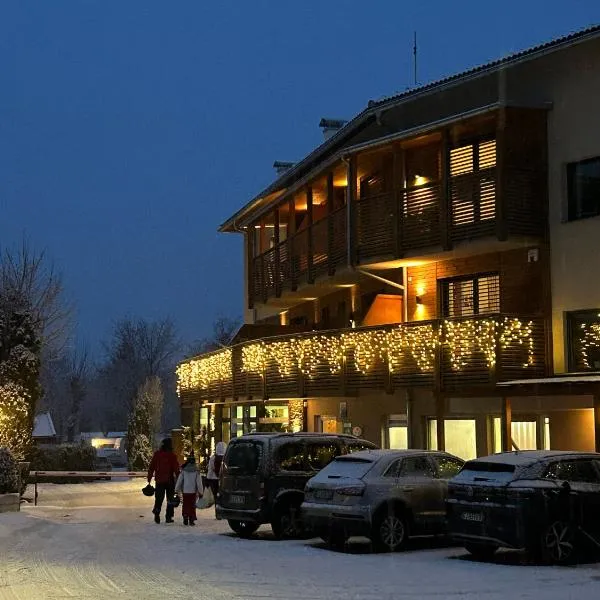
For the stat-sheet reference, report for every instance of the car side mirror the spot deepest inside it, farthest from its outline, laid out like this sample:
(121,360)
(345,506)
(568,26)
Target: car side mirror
(566,487)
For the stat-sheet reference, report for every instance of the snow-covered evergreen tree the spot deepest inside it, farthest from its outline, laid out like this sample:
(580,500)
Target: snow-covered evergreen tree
(143,424)
(15,421)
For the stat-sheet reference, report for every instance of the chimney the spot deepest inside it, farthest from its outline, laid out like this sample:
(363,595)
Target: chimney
(331,126)
(282,166)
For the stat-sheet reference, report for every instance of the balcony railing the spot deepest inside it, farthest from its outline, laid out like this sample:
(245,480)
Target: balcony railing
(401,221)
(446,354)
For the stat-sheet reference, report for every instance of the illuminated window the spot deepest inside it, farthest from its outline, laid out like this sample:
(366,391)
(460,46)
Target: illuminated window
(524,434)
(460,437)
(471,296)
(473,183)
(583,335)
(397,433)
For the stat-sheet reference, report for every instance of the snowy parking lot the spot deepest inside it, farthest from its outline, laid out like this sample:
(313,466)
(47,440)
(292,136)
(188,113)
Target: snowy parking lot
(98,540)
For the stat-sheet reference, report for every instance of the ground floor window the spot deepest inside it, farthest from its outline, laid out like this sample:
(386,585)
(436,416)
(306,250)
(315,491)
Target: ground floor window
(274,418)
(326,424)
(460,437)
(395,434)
(524,434)
(236,420)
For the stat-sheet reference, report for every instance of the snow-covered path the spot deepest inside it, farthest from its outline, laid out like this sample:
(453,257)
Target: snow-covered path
(98,541)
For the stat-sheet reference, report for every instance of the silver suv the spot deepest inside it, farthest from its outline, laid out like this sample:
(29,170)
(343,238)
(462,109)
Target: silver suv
(386,495)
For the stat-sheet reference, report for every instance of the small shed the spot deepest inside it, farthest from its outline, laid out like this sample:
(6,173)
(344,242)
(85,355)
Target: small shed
(43,429)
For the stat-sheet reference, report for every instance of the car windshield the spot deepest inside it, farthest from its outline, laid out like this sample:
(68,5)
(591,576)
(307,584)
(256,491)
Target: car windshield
(347,467)
(243,458)
(486,472)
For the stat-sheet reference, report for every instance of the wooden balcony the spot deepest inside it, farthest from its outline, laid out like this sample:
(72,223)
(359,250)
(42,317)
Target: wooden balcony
(404,221)
(448,355)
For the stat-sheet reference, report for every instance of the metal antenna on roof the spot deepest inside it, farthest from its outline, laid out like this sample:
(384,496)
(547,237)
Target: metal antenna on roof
(415,56)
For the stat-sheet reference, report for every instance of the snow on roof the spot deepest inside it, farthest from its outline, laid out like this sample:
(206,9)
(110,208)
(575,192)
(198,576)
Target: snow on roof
(43,426)
(527,457)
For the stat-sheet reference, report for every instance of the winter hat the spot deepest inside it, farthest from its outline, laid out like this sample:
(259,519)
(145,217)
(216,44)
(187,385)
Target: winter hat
(220,449)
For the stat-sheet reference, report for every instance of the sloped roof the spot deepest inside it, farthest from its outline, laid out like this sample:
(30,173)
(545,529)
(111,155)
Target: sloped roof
(374,106)
(492,65)
(43,426)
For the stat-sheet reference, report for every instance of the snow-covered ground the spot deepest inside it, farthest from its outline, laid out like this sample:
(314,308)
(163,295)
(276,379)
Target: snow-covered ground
(98,541)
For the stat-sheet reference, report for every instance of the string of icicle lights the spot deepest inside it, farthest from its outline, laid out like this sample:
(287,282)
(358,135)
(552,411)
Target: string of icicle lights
(400,348)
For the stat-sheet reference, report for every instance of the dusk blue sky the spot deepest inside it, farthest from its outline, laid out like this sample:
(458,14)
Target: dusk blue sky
(129,130)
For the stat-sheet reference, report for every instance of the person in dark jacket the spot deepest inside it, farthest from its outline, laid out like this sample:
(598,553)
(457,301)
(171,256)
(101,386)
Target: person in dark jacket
(165,470)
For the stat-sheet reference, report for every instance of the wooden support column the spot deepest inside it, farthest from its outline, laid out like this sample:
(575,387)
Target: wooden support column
(351,233)
(398,198)
(293,261)
(250,275)
(309,214)
(277,265)
(501,200)
(506,425)
(330,193)
(597,419)
(445,203)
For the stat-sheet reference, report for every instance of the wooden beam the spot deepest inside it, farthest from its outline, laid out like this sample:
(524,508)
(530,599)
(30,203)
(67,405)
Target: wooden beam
(329,201)
(506,425)
(309,214)
(445,204)
(351,207)
(501,148)
(277,266)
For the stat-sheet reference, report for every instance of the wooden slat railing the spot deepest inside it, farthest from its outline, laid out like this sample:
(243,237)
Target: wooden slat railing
(449,353)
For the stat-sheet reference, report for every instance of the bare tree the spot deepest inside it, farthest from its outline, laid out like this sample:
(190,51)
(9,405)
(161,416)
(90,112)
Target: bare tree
(224,328)
(138,349)
(29,282)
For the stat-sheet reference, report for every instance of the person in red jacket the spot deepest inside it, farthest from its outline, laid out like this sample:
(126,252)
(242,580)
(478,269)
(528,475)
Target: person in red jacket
(165,469)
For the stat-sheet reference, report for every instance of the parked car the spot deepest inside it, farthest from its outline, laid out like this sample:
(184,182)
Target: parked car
(263,477)
(546,502)
(102,464)
(386,495)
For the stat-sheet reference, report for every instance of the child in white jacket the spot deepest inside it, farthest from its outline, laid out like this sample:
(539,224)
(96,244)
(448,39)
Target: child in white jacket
(189,484)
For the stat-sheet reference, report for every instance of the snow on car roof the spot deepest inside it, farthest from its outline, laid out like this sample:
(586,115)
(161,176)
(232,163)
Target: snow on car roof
(378,453)
(528,457)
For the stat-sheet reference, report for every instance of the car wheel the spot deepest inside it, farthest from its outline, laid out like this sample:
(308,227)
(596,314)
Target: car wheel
(558,542)
(243,528)
(390,532)
(286,522)
(481,551)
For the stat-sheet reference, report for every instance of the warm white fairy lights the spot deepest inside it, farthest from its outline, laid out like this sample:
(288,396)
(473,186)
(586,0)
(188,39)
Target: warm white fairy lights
(201,373)
(590,342)
(400,348)
(516,332)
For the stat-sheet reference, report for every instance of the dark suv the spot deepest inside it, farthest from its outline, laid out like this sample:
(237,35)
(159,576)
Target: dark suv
(546,502)
(263,477)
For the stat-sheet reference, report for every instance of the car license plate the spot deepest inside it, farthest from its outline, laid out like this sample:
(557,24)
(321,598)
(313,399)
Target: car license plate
(236,499)
(323,494)
(472,516)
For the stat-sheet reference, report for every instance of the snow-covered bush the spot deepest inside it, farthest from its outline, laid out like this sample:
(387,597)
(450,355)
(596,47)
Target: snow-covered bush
(9,473)
(15,420)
